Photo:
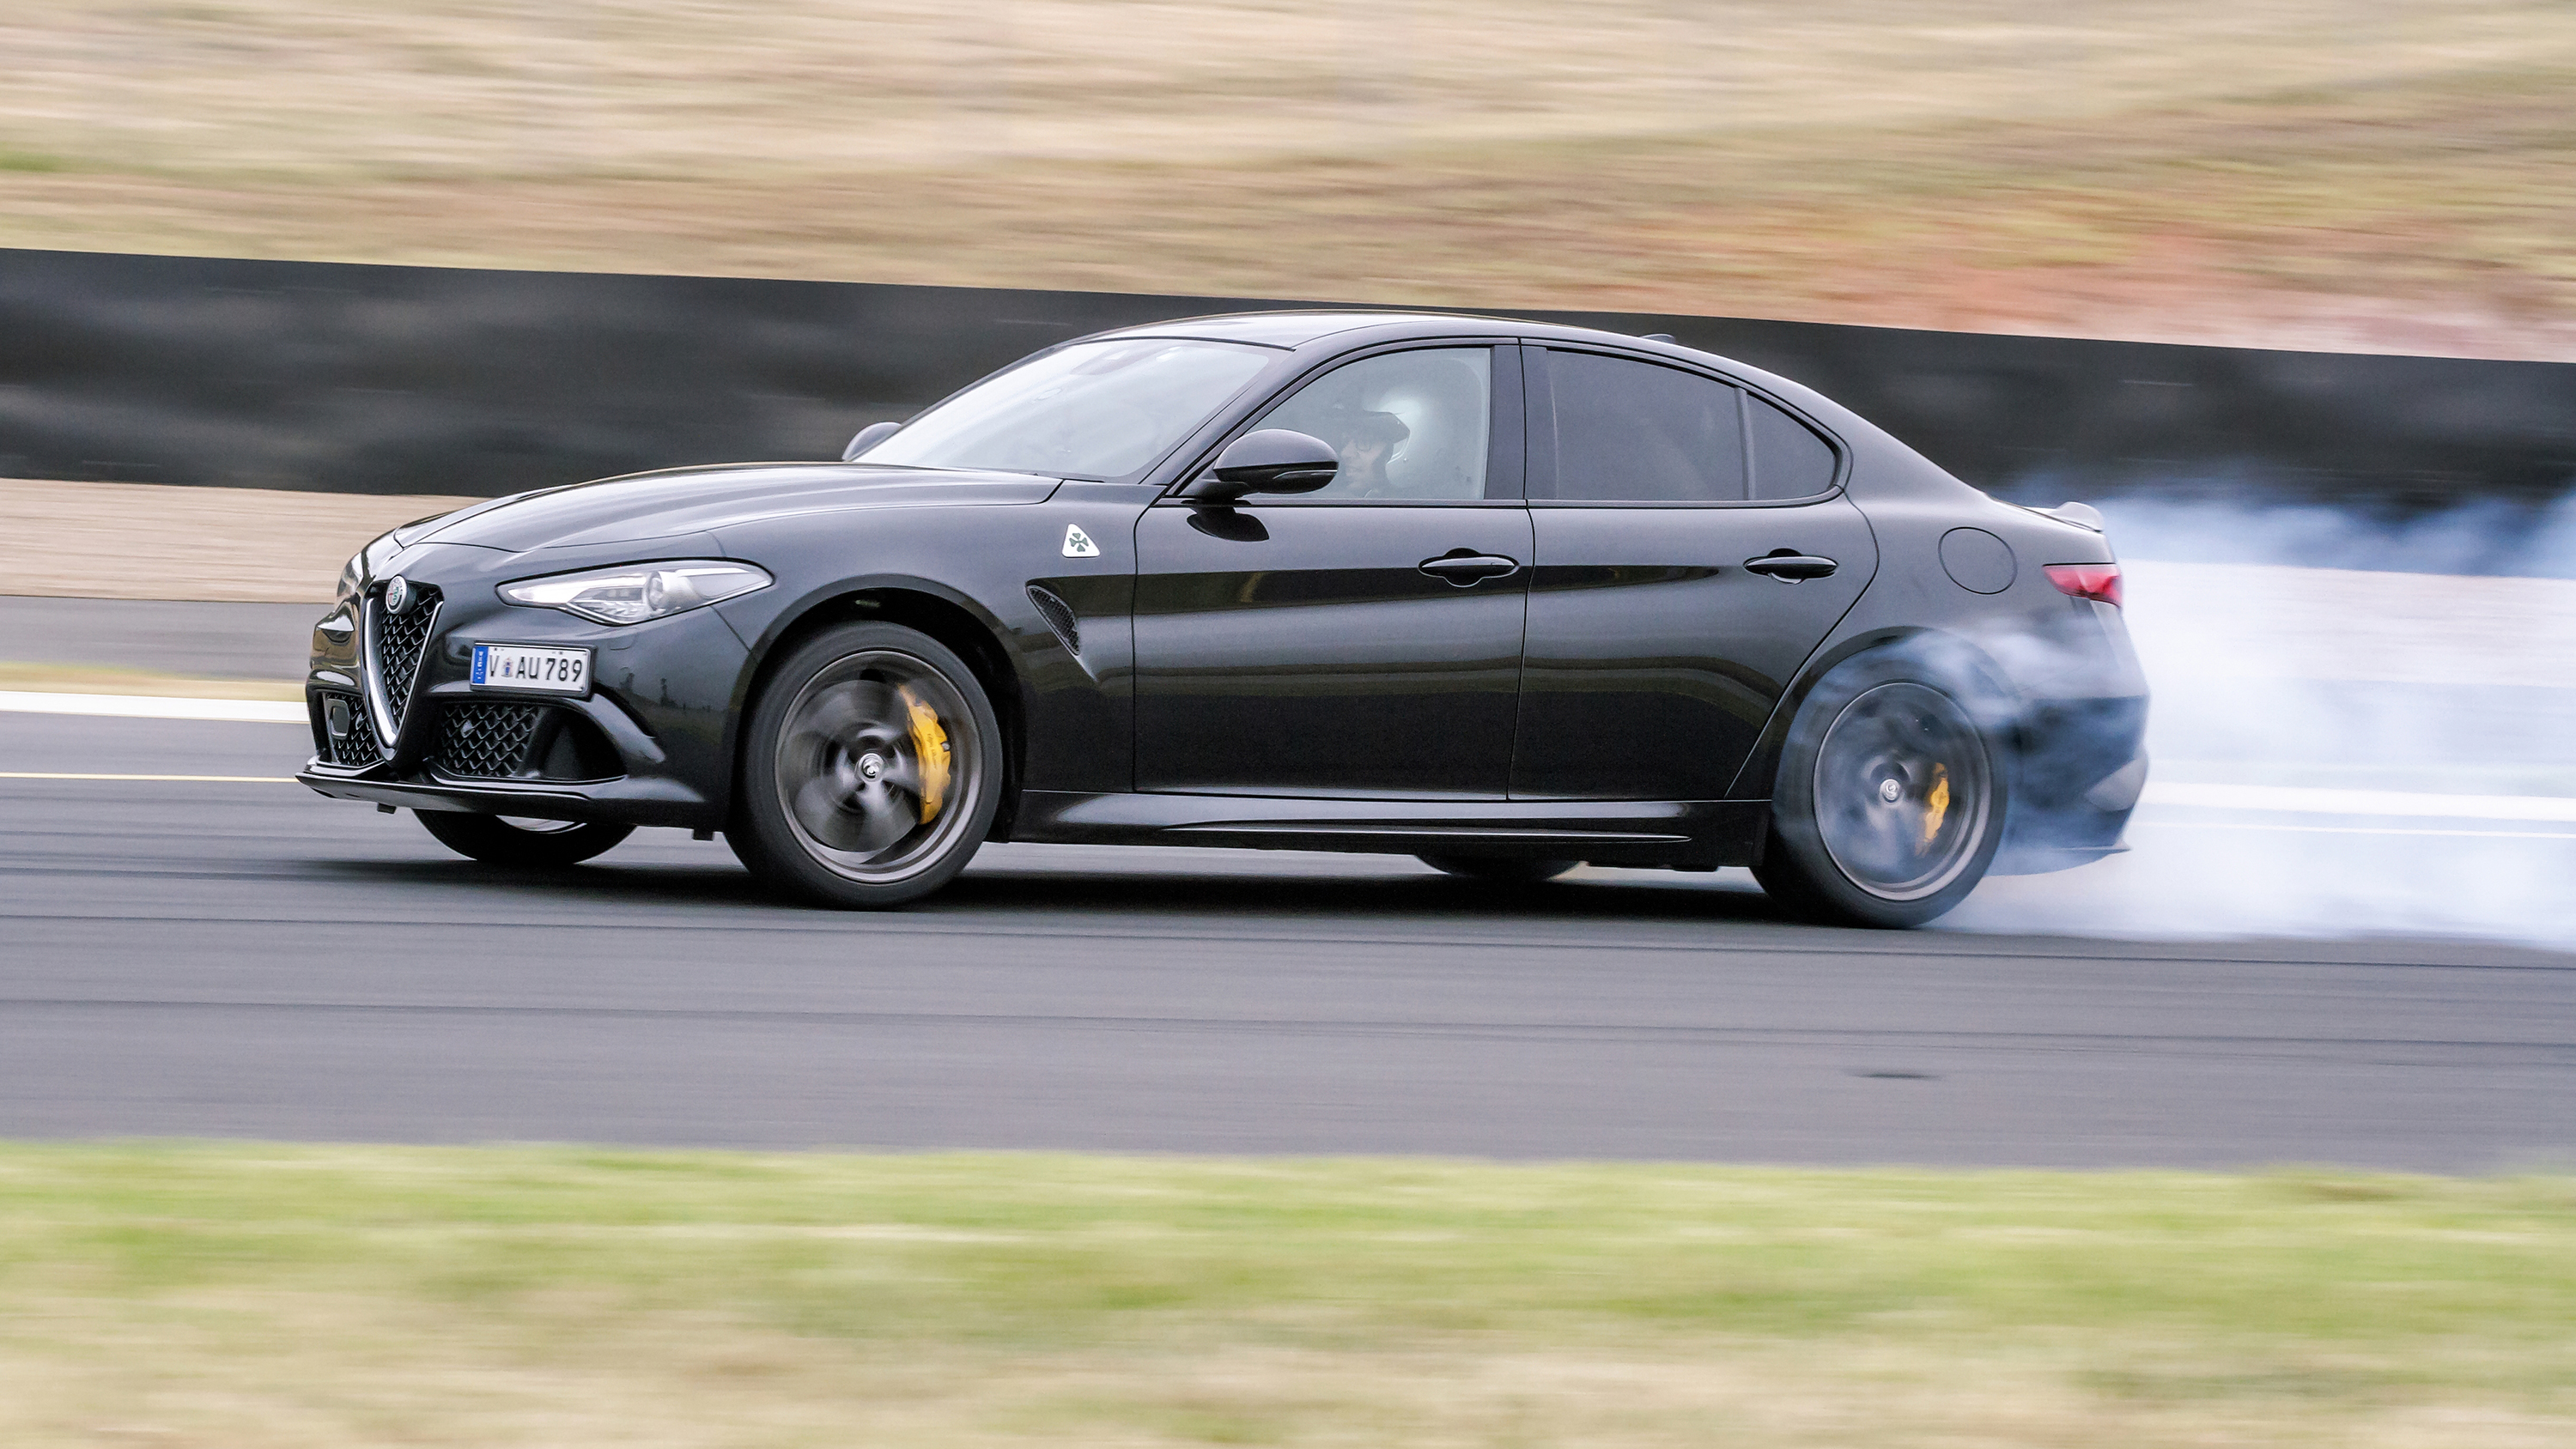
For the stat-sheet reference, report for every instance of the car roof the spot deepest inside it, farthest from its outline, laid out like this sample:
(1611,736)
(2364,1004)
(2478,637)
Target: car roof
(1297,328)
(1291,330)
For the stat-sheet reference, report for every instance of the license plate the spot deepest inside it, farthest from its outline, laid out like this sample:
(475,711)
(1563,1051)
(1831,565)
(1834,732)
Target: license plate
(532,667)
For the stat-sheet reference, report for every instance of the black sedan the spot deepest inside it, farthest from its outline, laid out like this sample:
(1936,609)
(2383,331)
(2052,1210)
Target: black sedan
(1505,596)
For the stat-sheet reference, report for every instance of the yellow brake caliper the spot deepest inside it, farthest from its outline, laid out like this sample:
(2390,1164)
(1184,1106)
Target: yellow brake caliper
(929,752)
(1936,804)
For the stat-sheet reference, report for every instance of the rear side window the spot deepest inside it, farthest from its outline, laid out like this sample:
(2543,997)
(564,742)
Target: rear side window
(1632,432)
(1789,460)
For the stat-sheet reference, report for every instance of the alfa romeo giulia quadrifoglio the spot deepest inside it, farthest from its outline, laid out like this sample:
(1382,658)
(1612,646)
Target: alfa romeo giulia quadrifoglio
(1504,596)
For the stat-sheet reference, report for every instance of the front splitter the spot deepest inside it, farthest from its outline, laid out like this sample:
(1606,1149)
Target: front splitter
(628,801)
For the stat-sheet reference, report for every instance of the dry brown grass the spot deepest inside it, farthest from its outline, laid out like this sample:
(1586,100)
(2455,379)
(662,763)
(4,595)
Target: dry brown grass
(2376,175)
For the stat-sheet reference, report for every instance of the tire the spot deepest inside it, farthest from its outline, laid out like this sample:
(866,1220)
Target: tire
(1890,798)
(1498,870)
(508,840)
(836,802)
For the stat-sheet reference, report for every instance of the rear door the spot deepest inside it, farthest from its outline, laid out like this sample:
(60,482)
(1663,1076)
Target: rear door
(1654,654)
(1347,642)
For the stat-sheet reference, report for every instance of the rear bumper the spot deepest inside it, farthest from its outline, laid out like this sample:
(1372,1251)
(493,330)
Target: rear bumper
(2079,766)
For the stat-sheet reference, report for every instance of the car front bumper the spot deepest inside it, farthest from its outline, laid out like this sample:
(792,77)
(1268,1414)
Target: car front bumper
(647,744)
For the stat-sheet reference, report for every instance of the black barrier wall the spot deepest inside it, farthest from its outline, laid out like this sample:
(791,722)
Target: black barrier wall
(311,375)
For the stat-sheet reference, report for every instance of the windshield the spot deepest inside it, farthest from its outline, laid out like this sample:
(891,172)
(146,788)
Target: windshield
(1092,410)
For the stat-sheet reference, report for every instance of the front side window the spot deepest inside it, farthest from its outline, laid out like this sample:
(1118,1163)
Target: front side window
(1632,432)
(1407,426)
(1091,410)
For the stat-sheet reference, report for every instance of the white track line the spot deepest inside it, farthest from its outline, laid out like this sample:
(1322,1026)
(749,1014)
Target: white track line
(2349,829)
(152,706)
(2303,800)
(176,779)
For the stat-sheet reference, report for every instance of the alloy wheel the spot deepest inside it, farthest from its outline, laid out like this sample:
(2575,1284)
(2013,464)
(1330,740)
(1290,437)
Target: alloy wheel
(1902,791)
(876,757)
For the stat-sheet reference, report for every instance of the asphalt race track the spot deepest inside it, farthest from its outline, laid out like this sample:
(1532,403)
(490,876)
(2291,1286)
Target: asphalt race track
(246,959)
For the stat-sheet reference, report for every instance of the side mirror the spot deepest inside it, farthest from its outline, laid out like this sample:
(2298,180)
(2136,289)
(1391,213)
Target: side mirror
(868,437)
(1273,460)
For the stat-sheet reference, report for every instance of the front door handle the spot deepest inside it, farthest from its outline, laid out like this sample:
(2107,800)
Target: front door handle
(1790,568)
(1465,569)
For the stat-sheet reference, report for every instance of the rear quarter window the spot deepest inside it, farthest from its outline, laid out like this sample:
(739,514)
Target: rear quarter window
(1788,459)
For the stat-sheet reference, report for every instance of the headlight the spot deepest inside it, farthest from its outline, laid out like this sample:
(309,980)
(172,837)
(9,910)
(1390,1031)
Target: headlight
(633,593)
(352,575)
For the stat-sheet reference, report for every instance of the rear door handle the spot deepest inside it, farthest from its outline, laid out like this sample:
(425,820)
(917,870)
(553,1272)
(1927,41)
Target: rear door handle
(1790,568)
(1465,569)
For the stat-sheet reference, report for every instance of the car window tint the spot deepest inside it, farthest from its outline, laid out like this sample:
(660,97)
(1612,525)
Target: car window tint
(1406,425)
(1091,410)
(1632,432)
(1789,460)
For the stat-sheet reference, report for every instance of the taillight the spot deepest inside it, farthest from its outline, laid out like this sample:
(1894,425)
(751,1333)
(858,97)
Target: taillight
(2087,581)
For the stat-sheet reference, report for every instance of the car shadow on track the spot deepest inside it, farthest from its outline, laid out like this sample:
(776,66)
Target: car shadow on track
(1350,896)
(1060,893)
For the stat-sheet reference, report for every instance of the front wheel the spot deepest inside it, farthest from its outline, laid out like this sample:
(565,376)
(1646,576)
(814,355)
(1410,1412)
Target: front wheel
(509,840)
(1890,799)
(871,769)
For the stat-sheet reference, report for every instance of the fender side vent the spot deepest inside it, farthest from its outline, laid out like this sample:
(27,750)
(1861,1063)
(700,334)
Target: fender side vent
(1059,617)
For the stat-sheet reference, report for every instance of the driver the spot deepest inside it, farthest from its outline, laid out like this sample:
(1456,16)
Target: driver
(1367,441)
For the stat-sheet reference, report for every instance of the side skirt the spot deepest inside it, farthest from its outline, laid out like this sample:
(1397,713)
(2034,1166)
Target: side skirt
(1689,834)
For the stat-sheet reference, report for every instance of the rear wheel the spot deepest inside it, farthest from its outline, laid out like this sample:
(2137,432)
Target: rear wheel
(870,769)
(1889,803)
(513,840)
(1498,870)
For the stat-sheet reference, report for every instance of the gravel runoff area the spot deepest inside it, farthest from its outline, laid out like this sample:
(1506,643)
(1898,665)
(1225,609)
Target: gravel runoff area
(150,541)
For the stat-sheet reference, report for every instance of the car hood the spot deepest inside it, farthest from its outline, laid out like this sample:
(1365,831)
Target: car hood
(646,506)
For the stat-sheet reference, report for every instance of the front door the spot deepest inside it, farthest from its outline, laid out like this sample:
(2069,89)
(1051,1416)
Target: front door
(1666,619)
(1333,644)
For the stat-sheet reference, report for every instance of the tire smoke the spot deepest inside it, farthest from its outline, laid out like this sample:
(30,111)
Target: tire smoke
(2363,725)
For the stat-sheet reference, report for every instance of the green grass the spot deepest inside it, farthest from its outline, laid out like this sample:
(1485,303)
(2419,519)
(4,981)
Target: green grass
(271,1295)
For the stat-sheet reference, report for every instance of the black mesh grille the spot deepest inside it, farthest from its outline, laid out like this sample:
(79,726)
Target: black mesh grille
(358,746)
(1059,617)
(400,638)
(485,741)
